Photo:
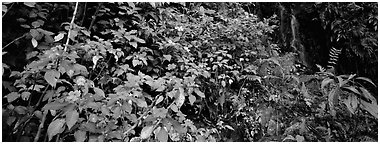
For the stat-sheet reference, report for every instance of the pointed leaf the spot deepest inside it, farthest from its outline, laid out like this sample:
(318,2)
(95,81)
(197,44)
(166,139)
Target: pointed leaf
(71,118)
(162,135)
(34,42)
(352,89)
(199,93)
(54,106)
(134,44)
(30,4)
(368,95)
(59,37)
(12,96)
(146,132)
(52,76)
(55,127)
(159,99)
(366,79)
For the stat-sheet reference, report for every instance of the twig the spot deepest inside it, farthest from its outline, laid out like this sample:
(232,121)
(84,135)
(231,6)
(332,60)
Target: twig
(71,26)
(94,16)
(8,10)
(14,41)
(41,126)
(84,14)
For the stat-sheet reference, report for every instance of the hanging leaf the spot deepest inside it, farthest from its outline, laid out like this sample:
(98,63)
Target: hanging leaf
(352,89)
(368,95)
(52,76)
(180,97)
(55,128)
(34,42)
(146,132)
(366,79)
(59,37)
(12,96)
(71,118)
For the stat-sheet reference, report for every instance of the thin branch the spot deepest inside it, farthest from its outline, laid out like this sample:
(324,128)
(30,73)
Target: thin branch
(71,26)
(8,10)
(41,126)
(84,13)
(94,16)
(14,41)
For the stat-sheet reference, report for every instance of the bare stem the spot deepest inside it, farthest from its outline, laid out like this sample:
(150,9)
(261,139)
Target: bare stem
(8,9)
(71,26)
(14,41)
(41,126)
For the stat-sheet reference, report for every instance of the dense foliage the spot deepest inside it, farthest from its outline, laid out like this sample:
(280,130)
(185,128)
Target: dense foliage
(170,72)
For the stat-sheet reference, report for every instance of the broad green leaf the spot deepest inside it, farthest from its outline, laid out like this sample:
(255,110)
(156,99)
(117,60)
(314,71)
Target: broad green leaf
(162,135)
(34,42)
(139,40)
(52,76)
(325,82)
(4,8)
(20,110)
(80,136)
(99,93)
(59,37)
(174,108)
(366,79)
(54,106)
(71,118)
(332,97)
(12,96)
(352,103)
(55,128)
(146,132)
(141,103)
(370,107)
(167,57)
(136,62)
(48,95)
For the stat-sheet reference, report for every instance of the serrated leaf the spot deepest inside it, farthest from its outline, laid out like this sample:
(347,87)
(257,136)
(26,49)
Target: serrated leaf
(80,136)
(52,76)
(34,42)
(55,128)
(146,132)
(59,37)
(71,118)
(162,135)
(12,96)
